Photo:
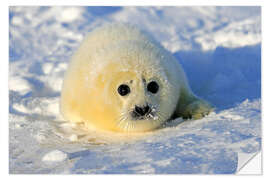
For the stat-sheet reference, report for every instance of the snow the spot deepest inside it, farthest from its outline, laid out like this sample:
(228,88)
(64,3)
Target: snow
(18,84)
(69,14)
(220,50)
(54,156)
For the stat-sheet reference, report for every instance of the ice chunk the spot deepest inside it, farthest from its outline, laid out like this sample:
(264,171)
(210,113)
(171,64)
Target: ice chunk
(69,14)
(19,84)
(54,156)
(47,68)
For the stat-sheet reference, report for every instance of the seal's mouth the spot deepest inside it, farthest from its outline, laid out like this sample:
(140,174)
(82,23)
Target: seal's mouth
(143,112)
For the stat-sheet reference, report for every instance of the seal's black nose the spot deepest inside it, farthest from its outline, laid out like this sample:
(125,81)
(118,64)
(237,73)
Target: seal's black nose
(142,110)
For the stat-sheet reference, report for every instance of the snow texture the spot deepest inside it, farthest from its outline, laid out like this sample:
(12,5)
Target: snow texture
(219,49)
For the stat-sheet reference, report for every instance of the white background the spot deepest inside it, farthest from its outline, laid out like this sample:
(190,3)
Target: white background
(4,72)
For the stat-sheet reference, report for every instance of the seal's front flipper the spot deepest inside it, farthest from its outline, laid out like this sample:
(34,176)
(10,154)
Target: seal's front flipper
(197,110)
(192,107)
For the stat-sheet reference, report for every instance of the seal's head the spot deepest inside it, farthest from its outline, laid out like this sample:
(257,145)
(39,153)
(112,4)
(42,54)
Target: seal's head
(132,92)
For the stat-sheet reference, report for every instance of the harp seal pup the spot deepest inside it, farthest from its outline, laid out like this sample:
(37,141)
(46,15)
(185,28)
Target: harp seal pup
(122,80)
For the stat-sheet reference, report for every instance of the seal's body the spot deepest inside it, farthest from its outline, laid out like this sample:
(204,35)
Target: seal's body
(122,80)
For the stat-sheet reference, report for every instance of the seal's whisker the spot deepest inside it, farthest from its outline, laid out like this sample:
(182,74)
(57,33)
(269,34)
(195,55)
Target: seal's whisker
(133,125)
(126,125)
(121,119)
(162,117)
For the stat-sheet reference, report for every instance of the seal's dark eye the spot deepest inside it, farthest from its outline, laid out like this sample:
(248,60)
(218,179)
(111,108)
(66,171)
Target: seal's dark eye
(153,87)
(123,89)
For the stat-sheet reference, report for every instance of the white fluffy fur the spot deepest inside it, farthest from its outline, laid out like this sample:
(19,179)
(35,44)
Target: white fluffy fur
(117,54)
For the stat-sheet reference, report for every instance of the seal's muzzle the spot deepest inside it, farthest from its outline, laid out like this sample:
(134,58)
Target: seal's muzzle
(141,111)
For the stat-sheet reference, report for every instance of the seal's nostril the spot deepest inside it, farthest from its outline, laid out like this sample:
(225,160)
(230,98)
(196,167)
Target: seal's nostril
(146,109)
(139,110)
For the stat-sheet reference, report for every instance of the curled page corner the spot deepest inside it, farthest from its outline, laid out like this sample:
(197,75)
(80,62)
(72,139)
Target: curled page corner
(249,163)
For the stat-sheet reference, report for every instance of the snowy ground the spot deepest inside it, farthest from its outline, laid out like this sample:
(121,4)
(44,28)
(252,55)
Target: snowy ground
(220,50)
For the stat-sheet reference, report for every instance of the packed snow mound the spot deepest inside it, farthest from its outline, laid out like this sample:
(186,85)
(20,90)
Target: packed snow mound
(219,49)
(54,156)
